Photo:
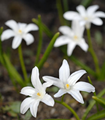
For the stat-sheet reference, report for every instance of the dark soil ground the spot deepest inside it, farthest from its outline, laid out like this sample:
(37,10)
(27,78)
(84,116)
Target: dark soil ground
(24,11)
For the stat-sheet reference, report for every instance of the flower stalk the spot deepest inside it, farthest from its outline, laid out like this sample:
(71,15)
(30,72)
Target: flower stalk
(95,59)
(69,108)
(22,64)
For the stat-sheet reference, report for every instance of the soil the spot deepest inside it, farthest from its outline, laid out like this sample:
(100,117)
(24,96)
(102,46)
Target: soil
(24,11)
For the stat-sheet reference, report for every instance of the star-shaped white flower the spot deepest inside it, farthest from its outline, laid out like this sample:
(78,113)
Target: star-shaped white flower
(72,36)
(36,94)
(68,83)
(19,31)
(86,17)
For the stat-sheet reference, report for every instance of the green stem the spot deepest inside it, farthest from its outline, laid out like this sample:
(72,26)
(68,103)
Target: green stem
(95,59)
(47,52)
(65,4)
(22,63)
(92,103)
(40,40)
(94,94)
(60,11)
(69,108)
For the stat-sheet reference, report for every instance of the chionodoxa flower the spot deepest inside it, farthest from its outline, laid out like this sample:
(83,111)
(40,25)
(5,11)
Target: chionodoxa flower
(86,17)
(68,83)
(36,94)
(19,31)
(72,36)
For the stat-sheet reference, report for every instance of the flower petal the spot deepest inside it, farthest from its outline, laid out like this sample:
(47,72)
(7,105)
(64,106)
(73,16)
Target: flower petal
(60,93)
(99,14)
(22,26)
(81,10)
(74,77)
(92,9)
(53,80)
(48,100)
(97,21)
(83,45)
(76,95)
(64,71)
(70,48)
(66,30)
(26,104)
(7,34)
(35,78)
(84,86)
(31,27)
(12,24)
(34,108)
(71,15)
(27,91)
(28,38)
(16,42)
(47,84)
(62,40)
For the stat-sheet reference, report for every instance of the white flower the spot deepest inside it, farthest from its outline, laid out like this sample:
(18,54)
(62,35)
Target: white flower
(19,31)
(68,83)
(72,37)
(36,94)
(86,17)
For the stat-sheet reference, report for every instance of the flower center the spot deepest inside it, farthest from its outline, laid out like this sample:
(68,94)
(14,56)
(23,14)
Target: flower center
(75,37)
(38,94)
(20,31)
(86,18)
(67,86)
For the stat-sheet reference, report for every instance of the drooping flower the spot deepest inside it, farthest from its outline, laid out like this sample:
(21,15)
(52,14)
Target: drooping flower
(19,31)
(72,36)
(36,94)
(68,83)
(86,17)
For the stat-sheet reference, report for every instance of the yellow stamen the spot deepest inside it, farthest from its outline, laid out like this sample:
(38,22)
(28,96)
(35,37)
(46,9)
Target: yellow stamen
(67,85)
(38,94)
(86,18)
(75,37)
(20,31)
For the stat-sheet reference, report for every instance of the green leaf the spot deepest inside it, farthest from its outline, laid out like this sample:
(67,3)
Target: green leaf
(102,75)
(98,37)
(28,115)
(85,3)
(47,52)
(12,71)
(44,27)
(98,116)
(57,119)
(15,106)
(99,100)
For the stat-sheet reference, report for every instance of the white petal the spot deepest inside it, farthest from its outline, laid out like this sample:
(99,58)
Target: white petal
(12,24)
(16,42)
(28,38)
(74,77)
(34,108)
(66,30)
(70,48)
(7,34)
(81,10)
(48,100)
(27,91)
(22,26)
(62,40)
(92,9)
(26,104)
(71,15)
(82,22)
(99,14)
(60,93)
(83,45)
(84,86)
(31,27)
(47,84)
(77,28)
(35,79)
(64,71)
(76,95)
(97,21)
(53,80)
